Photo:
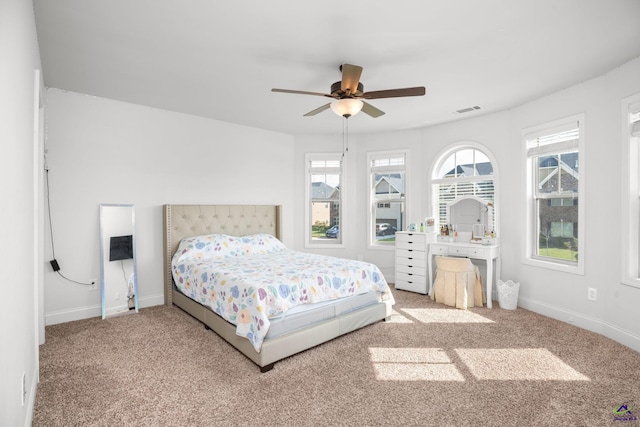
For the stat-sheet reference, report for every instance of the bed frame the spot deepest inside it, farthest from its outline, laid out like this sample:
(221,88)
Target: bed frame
(182,221)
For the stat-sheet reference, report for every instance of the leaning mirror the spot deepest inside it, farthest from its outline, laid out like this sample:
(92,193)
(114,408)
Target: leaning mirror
(118,274)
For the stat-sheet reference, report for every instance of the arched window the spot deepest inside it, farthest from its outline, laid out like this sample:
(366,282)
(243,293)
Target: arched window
(462,170)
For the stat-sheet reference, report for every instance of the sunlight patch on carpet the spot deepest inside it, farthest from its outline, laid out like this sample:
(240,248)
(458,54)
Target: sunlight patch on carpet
(445,315)
(408,355)
(508,364)
(413,364)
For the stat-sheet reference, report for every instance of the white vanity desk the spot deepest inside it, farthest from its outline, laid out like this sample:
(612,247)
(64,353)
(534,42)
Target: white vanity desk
(488,253)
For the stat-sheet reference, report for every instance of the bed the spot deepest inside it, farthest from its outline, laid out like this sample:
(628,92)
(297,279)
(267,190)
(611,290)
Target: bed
(291,331)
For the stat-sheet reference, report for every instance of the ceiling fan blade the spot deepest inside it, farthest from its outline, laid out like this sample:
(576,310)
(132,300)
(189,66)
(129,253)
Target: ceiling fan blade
(300,92)
(371,110)
(394,93)
(318,110)
(350,78)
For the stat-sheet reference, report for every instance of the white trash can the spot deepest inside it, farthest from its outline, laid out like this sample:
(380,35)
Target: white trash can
(508,294)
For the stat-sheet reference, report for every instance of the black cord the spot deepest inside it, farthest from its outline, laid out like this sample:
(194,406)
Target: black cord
(53,250)
(74,281)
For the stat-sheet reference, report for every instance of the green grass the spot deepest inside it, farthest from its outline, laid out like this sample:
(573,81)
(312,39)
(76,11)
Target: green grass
(558,253)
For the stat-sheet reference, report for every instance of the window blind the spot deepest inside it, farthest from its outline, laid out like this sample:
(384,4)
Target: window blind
(558,140)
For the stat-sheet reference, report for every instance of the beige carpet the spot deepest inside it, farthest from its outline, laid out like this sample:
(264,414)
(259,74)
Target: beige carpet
(429,365)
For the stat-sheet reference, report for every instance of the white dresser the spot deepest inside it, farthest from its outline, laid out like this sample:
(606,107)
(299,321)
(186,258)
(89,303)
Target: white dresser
(411,261)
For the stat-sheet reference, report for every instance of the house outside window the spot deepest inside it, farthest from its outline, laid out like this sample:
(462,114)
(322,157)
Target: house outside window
(554,212)
(387,182)
(631,191)
(461,171)
(324,196)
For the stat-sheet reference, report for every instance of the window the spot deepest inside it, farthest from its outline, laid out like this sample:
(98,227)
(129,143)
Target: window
(324,195)
(464,170)
(554,208)
(387,196)
(631,191)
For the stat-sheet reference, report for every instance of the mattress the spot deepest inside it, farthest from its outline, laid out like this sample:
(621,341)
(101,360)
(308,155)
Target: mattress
(302,316)
(253,282)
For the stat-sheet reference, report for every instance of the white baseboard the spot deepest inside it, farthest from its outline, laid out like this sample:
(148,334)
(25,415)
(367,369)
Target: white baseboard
(63,316)
(622,336)
(589,323)
(151,301)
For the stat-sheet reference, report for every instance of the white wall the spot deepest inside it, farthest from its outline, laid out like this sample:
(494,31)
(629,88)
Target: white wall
(19,188)
(556,294)
(105,151)
(564,296)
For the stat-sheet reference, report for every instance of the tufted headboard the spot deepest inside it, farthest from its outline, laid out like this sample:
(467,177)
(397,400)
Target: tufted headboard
(182,221)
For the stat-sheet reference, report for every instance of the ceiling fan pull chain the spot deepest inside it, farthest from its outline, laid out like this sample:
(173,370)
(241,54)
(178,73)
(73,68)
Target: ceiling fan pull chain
(345,136)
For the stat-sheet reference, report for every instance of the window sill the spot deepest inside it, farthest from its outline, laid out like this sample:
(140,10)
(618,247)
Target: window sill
(557,266)
(310,245)
(631,281)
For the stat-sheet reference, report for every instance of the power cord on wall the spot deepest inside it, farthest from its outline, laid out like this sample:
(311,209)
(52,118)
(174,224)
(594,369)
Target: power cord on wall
(54,263)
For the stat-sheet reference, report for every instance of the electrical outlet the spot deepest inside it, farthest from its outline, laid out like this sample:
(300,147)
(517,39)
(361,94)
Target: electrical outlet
(592,294)
(94,284)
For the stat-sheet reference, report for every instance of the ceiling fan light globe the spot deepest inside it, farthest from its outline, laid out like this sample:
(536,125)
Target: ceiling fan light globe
(346,107)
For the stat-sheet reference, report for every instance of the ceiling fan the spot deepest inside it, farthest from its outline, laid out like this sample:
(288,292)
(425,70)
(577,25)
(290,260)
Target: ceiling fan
(348,94)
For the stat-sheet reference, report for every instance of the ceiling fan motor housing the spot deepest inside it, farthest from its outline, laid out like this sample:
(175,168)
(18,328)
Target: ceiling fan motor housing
(337,92)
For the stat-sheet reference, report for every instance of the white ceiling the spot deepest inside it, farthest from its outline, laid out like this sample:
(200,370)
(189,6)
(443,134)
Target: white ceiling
(220,59)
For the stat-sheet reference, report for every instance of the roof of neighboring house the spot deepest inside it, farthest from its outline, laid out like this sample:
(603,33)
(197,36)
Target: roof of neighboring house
(394,181)
(485,168)
(321,190)
(569,160)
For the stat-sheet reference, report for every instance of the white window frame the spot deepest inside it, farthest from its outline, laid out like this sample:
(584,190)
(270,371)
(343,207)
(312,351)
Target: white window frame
(435,180)
(373,202)
(531,237)
(630,195)
(309,157)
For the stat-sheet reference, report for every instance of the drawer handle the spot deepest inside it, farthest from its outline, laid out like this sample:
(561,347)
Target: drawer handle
(410,274)
(410,266)
(409,258)
(410,250)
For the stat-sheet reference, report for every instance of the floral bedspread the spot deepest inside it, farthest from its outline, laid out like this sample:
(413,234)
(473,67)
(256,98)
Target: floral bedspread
(247,287)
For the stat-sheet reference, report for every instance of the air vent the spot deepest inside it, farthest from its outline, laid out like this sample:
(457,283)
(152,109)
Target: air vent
(467,110)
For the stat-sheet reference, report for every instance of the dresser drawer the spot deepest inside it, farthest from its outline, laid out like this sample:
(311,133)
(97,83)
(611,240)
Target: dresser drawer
(413,245)
(411,283)
(417,278)
(410,269)
(458,251)
(411,237)
(477,252)
(410,253)
(412,262)
(438,249)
